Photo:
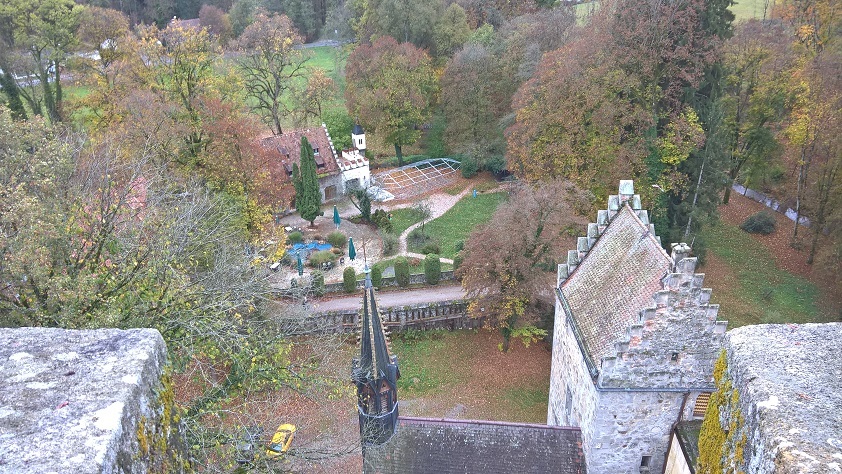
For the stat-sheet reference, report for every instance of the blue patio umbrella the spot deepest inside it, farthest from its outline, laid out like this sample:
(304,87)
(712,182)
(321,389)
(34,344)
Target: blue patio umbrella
(300,265)
(336,220)
(352,252)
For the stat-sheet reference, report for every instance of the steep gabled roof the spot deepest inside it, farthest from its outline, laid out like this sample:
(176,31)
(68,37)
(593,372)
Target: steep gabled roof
(614,273)
(286,149)
(426,445)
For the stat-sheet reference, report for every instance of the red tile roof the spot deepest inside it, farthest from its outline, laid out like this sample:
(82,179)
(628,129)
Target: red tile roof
(285,150)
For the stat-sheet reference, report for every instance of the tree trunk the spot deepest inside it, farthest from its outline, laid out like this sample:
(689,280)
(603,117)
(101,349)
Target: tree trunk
(399,154)
(59,111)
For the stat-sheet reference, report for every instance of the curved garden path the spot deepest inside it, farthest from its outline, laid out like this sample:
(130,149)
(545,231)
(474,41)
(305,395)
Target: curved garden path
(440,203)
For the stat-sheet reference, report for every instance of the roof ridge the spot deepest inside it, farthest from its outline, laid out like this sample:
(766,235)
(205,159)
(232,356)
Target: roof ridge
(460,421)
(625,201)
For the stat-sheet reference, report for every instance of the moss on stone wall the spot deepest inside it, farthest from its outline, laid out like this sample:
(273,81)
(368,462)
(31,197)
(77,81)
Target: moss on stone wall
(722,440)
(161,445)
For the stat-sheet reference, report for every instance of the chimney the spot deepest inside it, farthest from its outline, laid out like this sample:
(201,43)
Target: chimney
(680,251)
(626,191)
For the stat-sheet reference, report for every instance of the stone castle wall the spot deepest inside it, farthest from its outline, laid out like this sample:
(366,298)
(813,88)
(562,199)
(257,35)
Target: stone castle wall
(87,402)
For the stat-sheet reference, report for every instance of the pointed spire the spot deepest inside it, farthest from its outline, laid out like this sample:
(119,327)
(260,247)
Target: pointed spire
(375,374)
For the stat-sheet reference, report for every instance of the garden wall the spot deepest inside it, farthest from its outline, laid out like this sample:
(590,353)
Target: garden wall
(441,315)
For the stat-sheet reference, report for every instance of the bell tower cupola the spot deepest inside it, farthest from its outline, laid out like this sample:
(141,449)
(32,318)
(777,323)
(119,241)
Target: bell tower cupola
(358,138)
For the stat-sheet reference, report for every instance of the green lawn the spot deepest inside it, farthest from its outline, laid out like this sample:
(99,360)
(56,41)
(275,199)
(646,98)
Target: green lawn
(762,292)
(748,9)
(458,222)
(402,219)
(441,370)
(429,362)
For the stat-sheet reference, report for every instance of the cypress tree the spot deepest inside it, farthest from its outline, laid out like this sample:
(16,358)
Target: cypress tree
(308,198)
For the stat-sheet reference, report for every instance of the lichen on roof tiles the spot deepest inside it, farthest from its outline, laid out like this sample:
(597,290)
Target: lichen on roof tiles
(615,279)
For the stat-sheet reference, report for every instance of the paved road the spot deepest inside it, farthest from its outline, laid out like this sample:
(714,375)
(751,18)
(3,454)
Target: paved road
(393,298)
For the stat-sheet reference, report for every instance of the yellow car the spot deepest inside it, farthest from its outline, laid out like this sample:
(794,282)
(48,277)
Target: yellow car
(281,440)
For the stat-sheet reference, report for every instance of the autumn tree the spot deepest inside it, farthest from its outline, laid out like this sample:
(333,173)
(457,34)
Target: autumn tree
(405,20)
(178,65)
(510,263)
(391,89)
(755,99)
(573,120)
(308,197)
(473,106)
(216,21)
(311,99)
(451,31)
(104,31)
(270,64)
(42,33)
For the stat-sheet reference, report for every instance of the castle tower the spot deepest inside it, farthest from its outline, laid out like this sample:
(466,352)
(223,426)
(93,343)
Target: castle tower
(634,343)
(358,138)
(376,375)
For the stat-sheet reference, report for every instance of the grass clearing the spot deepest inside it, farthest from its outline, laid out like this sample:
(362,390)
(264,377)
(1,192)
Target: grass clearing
(528,402)
(458,222)
(429,362)
(462,374)
(404,218)
(758,291)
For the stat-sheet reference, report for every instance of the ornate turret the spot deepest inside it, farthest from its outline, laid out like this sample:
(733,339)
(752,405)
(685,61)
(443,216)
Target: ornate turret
(376,375)
(358,138)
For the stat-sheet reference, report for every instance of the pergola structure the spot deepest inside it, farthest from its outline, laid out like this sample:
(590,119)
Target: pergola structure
(418,178)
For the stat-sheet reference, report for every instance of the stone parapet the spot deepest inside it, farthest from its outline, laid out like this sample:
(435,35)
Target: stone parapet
(87,402)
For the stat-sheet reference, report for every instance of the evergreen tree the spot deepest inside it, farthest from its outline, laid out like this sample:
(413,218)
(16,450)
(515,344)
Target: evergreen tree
(308,198)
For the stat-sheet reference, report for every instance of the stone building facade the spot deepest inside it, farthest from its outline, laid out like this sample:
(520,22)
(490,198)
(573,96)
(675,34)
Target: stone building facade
(634,342)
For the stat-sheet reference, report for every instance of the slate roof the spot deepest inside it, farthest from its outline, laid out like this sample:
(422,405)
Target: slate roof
(286,150)
(441,446)
(615,273)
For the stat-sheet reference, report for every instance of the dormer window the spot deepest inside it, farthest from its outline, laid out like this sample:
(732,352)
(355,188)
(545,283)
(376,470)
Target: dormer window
(315,152)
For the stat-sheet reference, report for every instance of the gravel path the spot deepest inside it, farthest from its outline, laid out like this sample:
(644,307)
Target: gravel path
(439,204)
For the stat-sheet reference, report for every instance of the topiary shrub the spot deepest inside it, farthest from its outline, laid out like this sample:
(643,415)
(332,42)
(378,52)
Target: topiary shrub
(337,239)
(402,272)
(430,248)
(390,243)
(468,167)
(376,276)
(349,280)
(457,262)
(759,223)
(318,283)
(432,269)
(295,237)
(320,257)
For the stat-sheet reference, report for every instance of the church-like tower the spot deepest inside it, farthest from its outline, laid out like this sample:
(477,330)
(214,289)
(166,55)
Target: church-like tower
(358,138)
(376,375)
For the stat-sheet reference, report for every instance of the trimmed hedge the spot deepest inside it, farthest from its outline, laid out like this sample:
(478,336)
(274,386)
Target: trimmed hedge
(432,269)
(402,272)
(295,237)
(349,280)
(376,276)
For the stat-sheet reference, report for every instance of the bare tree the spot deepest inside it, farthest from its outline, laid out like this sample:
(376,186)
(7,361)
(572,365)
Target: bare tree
(271,63)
